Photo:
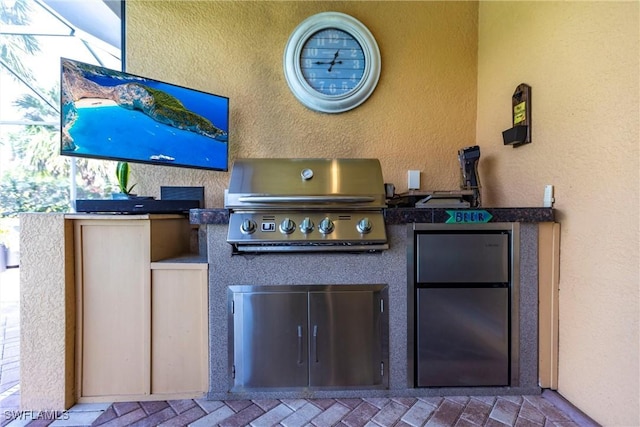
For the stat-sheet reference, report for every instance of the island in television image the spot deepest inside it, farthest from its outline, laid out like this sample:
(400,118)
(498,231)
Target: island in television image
(115,115)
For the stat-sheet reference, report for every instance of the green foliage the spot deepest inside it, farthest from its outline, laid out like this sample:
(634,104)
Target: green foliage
(35,147)
(122,174)
(23,190)
(34,193)
(13,48)
(37,179)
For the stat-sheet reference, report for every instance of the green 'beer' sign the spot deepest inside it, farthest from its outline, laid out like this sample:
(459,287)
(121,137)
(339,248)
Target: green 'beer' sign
(468,217)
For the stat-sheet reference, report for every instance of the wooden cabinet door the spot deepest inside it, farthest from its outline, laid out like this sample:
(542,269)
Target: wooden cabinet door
(179,328)
(112,281)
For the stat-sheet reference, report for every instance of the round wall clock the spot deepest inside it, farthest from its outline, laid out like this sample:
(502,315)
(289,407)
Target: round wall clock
(332,62)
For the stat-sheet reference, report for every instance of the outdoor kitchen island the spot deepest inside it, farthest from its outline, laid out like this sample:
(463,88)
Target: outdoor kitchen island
(386,267)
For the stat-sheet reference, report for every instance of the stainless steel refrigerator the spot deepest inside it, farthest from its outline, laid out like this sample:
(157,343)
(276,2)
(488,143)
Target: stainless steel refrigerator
(463,292)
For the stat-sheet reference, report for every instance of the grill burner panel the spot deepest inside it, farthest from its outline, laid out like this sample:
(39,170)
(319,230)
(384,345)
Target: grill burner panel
(277,207)
(345,228)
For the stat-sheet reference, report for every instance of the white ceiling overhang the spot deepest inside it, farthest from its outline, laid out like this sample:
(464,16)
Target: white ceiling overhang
(99,18)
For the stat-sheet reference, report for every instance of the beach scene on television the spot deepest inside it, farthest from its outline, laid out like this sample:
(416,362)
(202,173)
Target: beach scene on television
(115,115)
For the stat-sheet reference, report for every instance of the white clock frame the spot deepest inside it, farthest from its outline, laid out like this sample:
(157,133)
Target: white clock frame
(303,91)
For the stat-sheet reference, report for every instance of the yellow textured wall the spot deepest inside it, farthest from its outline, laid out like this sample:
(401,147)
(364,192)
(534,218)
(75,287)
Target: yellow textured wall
(421,113)
(582,61)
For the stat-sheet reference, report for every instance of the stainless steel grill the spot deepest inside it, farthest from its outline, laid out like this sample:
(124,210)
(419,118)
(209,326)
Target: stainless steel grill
(284,205)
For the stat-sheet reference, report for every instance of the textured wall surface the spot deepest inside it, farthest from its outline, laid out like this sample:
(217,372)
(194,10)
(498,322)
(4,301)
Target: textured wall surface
(46,321)
(582,61)
(422,111)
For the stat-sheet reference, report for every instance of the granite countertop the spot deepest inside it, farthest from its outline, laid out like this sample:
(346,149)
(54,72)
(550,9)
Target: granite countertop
(399,216)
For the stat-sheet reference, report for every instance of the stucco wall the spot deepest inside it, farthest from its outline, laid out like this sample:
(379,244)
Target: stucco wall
(582,61)
(47,312)
(421,113)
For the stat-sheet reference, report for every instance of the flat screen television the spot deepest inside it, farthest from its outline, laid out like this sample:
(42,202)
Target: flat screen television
(108,114)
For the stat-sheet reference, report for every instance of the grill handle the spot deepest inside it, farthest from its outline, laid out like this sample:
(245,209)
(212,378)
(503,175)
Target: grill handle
(306,199)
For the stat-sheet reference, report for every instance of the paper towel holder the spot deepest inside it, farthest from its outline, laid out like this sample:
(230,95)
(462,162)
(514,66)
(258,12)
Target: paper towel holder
(520,133)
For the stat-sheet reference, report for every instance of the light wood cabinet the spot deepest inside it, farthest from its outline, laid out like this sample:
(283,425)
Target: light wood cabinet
(179,339)
(141,307)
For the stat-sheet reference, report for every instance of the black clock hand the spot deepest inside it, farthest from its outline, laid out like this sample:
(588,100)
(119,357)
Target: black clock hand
(331,63)
(334,63)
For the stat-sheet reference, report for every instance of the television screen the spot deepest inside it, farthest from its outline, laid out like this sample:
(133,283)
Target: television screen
(110,114)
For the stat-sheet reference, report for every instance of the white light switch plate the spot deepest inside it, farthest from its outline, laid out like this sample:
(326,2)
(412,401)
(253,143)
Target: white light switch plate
(413,178)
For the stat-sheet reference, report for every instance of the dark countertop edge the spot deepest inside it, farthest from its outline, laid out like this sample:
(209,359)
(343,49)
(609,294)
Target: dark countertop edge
(399,216)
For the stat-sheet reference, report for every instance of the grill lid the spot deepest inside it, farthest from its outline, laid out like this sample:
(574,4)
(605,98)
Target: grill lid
(306,184)
(283,205)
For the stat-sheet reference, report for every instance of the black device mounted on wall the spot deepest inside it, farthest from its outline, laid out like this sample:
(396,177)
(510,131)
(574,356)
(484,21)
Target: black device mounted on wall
(520,133)
(175,200)
(183,193)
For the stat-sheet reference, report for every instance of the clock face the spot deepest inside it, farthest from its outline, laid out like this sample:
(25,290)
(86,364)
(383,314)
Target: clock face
(332,62)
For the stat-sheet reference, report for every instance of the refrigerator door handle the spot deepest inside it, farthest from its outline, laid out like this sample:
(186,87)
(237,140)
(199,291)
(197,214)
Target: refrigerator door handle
(315,343)
(300,345)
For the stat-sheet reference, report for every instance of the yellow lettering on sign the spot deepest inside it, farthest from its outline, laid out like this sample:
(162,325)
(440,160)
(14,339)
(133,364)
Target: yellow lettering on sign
(519,113)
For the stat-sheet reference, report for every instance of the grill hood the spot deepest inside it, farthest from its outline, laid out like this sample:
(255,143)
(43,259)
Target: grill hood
(276,184)
(284,205)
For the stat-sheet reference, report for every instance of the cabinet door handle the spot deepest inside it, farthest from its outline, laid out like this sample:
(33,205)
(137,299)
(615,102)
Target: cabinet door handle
(299,345)
(315,343)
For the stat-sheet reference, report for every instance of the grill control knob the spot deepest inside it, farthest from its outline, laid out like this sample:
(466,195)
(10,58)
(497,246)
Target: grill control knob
(306,226)
(363,226)
(287,226)
(325,226)
(248,226)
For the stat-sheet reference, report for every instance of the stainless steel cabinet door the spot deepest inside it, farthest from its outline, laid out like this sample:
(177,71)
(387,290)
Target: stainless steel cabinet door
(462,337)
(345,339)
(462,258)
(270,339)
